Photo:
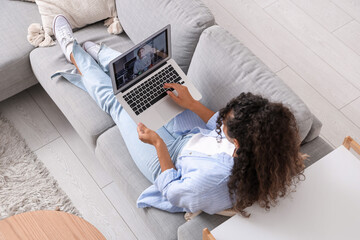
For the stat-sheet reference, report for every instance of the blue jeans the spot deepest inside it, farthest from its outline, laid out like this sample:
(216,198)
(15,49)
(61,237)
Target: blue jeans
(96,81)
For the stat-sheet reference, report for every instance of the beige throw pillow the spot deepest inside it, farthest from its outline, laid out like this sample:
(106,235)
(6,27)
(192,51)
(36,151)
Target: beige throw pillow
(79,13)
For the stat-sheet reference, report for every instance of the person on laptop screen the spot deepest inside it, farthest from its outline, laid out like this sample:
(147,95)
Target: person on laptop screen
(247,152)
(146,59)
(141,59)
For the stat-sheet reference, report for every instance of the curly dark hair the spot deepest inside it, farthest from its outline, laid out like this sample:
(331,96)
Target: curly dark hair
(267,163)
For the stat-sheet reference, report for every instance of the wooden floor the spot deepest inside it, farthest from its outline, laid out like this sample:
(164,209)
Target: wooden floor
(313,45)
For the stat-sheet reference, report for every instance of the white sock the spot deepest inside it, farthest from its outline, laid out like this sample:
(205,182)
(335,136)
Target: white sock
(92,49)
(69,49)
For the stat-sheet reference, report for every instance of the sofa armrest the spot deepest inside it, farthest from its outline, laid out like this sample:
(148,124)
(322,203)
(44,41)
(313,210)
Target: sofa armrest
(314,130)
(316,149)
(222,68)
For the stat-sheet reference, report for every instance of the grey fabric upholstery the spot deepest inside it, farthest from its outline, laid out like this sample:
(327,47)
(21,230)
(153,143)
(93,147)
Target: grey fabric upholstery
(113,154)
(188,19)
(314,131)
(222,68)
(83,113)
(316,149)
(15,70)
(192,230)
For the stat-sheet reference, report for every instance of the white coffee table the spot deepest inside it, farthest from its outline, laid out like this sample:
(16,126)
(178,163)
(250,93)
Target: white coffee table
(325,206)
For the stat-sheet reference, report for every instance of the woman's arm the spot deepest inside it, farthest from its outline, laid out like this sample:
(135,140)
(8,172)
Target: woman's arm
(163,155)
(203,112)
(185,100)
(151,137)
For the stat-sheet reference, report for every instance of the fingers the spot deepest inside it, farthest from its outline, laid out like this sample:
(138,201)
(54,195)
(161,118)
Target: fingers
(173,97)
(175,86)
(141,128)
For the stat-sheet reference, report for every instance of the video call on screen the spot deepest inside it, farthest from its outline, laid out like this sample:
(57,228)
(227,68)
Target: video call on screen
(140,60)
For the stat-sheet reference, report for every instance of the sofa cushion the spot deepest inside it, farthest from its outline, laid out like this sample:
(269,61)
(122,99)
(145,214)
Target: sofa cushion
(316,149)
(141,18)
(82,112)
(114,156)
(314,130)
(15,70)
(222,68)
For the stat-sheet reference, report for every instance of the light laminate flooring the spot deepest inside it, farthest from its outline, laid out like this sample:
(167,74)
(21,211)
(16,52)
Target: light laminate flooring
(313,45)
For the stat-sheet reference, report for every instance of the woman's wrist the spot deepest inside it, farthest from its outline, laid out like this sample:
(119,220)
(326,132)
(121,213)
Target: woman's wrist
(203,112)
(158,143)
(193,105)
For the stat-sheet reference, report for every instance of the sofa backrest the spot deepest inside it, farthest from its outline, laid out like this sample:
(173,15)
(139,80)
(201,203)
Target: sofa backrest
(222,68)
(141,18)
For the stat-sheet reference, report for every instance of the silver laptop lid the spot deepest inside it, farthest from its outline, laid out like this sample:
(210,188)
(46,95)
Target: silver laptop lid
(141,60)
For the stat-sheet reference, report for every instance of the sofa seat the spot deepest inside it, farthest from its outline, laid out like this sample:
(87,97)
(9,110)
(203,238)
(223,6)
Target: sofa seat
(148,223)
(78,107)
(15,70)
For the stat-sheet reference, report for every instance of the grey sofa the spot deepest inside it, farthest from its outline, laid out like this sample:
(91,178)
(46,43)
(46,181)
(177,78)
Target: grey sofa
(218,64)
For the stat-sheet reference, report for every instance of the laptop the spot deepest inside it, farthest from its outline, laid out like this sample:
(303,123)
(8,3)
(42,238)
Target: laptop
(138,77)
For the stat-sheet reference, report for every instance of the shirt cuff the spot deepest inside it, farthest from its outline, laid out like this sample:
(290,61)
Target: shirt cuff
(211,124)
(165,178)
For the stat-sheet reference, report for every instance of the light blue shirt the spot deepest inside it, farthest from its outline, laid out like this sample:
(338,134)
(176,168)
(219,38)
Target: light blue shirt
(199,181)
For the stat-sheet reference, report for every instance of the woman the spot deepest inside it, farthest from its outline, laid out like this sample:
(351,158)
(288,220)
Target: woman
(248,152)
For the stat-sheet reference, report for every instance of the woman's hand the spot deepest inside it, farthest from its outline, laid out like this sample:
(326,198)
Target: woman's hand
(151,137)
(184,98)
(147,135)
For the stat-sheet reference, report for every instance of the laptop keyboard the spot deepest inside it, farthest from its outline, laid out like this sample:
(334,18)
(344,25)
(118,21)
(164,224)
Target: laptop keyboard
(152,90)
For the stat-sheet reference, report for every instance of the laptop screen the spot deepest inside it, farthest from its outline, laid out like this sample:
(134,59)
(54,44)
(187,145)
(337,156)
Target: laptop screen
(141,60)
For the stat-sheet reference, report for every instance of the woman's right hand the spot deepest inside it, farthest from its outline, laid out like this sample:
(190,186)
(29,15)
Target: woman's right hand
(184,98)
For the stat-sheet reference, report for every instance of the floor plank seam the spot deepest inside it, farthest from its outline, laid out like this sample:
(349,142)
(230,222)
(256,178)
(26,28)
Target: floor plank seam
(37,149)
(282,69)
(119,213)
(347,45)
(355,124)
(107,185)
(268,5)
(332,32)
(254,35)
(68,144)
(338,109)
(82,164)
(27,90)
(342,9)
(349,103)
(294,2)
(309,48)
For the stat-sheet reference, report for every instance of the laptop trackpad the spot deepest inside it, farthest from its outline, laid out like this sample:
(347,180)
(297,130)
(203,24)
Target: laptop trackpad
(168,109)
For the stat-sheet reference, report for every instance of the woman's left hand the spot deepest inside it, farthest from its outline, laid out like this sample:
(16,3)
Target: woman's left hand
(147,135)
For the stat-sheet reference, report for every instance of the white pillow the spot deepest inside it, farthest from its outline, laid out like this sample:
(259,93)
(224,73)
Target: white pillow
(79,14)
